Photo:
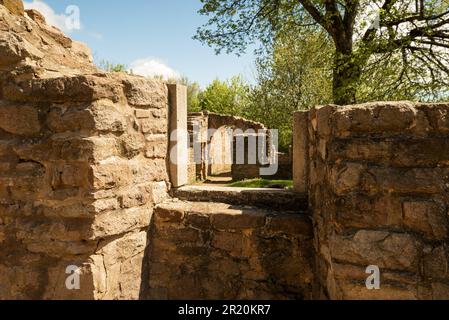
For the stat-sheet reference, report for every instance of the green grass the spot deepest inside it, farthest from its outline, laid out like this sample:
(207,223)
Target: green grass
(261,183)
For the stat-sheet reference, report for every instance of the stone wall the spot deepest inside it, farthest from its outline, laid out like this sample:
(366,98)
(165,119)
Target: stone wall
(220,251)
(215,139)
(253,171)
(82,164)
(379,182)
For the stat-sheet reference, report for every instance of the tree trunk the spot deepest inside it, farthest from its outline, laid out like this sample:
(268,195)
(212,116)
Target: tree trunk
(347,74)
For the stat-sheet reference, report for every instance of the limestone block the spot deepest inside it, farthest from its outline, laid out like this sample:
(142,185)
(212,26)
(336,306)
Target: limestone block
(438,115)
(440,291)
(436,264)
(92,280)
(149,170)
(364,211)
(111,174)
(293,225)
(387,250)
(14,48)
(346,178)
(109,117)
(14,6)
(20,120)
(374,118)
(414,180)
(64,175)
(113,223)
(154,126)
(58,249)
(136,196)
(156,149)
(401,153)
(427,217)
(145,93)
(18,283)
(132,144)
(65,89)
(71,119)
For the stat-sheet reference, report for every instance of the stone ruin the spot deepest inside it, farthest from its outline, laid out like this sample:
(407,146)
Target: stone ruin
(86,180)
(214,139)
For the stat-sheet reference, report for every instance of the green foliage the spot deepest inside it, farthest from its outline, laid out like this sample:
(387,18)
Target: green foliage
(296,75)
(226,97)
(401,45)
(112,67)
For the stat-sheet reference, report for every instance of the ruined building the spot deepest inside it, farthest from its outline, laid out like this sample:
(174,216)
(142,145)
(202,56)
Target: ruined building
(87,179)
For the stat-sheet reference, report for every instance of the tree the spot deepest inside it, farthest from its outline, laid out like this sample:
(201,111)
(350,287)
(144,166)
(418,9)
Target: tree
(295,75)
(226,97)
(416,33)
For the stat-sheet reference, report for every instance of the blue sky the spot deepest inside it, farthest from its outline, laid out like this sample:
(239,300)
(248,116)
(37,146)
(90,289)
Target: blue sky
(150,34)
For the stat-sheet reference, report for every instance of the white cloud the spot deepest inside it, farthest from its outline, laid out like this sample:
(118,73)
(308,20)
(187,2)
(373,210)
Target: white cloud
(61,21)
(151,67)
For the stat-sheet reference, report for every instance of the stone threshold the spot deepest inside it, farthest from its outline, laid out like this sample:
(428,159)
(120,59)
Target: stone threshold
(274,199)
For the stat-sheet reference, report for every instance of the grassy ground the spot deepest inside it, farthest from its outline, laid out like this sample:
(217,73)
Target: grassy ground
(261,183)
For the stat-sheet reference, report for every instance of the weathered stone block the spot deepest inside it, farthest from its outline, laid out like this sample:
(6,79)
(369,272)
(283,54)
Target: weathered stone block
(157,149)
(387,250)
(293,225)
(439,117)
(112,223)
(235,244)
(145,93)
(402,153)
(65,175)
(428,218)
(111,174)
(239,220)
(14,48)
(14,6)
(70,119)
(436,264)
(109,117)
(65,89)
(102,205)
(59,249)
(136,196)
(154,126)
(363,211)
(440,291)
(132,144)
(20,120)
(374,118)
(171,212)
(149,170)
(347,178)
(419,180)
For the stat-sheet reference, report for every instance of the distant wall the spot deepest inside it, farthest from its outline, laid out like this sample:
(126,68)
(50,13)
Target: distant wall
(379,183)
(216,134)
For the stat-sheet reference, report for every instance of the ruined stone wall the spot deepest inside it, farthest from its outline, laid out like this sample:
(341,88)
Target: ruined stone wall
(253,171)
(82,164)
(216,137)
(379,182)
(79,178)
(219,251)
